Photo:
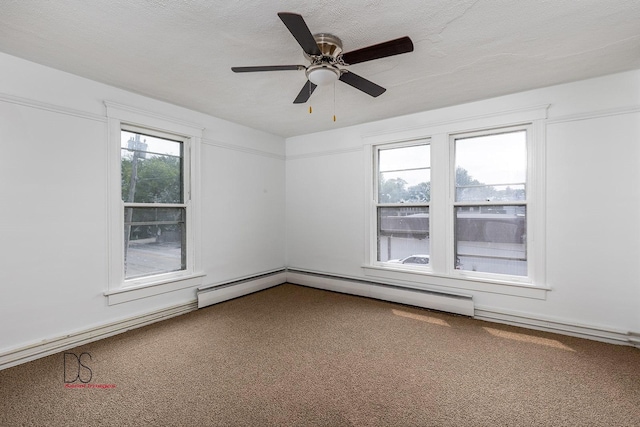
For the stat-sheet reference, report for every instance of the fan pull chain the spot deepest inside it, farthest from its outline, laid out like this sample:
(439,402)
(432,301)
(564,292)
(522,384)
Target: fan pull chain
(310,110)
(334,101)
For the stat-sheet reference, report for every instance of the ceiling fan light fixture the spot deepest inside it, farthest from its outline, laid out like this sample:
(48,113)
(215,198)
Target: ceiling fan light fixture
(324,53)
(323,75)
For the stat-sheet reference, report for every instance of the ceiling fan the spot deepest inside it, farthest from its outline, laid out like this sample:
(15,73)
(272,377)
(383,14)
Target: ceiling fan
(324,52)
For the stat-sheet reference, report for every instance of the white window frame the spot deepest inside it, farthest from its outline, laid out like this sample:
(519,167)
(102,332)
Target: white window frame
(453,204)
(443,276)
(120,117)
(376,205)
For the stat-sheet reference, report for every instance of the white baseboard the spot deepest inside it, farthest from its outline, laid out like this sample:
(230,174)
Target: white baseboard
(56,345)
(212,295)
(558,326)
(634,339)
(216,294)
(458,304)
(490,314)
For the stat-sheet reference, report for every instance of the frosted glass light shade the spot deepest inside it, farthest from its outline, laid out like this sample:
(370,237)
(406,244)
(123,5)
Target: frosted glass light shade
(323,76)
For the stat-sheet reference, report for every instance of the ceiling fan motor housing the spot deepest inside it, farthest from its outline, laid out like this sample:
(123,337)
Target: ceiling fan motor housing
(323,69)
(329,45)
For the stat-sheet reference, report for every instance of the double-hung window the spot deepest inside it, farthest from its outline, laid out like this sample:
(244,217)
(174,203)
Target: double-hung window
(460,204)
(153,171)
(154,219)
(490,202)
(402,203)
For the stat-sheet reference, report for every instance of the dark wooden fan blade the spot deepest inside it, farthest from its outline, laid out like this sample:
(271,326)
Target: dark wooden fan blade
(362,84)
(305,93)
(299,30)
(267,68)
(381,50)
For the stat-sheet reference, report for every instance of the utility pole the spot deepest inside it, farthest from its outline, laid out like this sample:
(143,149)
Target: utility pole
(137,147)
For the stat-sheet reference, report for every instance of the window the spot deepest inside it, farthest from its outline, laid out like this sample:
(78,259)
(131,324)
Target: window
(402,203)
(490,206)
(154,204)
(153,194)
(460,204)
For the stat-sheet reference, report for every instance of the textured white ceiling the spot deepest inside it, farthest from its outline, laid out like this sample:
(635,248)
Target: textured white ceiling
(181,51)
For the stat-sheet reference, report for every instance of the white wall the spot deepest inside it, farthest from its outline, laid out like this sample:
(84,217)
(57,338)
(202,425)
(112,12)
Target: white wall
(53,195)
(592,200)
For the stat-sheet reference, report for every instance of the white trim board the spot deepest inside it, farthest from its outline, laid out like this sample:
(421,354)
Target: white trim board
(47,347)
(459,304)
(325,153)
(215,294)
(594,115)
(26,102)
(463,123)
(51,346)
(558,326)
(229,146)
(146,118)
(634,339)
(218,293)
(408,296)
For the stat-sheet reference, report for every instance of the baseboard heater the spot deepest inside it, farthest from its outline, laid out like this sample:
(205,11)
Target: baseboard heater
(213,294)
(634,339)
(452,303)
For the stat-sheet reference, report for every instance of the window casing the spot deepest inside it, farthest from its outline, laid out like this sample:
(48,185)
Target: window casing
(522,197)
(154,220)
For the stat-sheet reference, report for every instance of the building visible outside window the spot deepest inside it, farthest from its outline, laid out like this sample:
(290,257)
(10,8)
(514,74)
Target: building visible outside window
(460,204)
(490,207)
(402,206)
(155,209)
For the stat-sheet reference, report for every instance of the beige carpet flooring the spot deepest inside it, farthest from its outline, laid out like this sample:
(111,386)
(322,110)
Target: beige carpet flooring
(295,356)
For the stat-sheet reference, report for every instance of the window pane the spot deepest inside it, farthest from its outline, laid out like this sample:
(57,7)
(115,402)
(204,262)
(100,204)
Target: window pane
(491,239)
(136,216)
(394,187)
(154,241)
(151,169)
(491,167)
(490,193)
(402,233)
(404,174)
(417,156)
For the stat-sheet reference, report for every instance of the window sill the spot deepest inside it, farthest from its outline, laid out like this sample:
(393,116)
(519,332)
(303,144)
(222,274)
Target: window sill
(152,288)
(432,281)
